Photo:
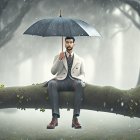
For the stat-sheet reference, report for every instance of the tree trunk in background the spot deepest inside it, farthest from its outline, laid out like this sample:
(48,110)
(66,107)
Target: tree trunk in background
(138,83)
(106,99)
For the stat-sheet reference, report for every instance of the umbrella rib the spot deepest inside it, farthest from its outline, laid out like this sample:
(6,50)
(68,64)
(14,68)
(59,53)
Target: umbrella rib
(51,21)
(80,27)
(63,27)
(86,26)
(69,29)
(47,27)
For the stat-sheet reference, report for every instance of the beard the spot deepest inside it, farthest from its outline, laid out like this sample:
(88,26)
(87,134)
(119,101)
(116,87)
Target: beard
(69,48)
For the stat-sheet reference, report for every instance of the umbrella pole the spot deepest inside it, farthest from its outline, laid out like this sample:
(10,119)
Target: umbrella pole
(62,43)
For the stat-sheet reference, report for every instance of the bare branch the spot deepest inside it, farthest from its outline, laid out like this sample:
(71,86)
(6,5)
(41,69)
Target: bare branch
(121,30)
(9,29)
(132,18)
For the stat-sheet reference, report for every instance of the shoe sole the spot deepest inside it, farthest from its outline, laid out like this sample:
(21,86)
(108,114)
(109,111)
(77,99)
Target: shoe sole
(52,127)
(76,127)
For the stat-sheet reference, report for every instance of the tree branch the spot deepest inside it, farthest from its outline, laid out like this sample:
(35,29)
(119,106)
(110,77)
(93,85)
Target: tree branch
(132,18)
(106,99)
(121,30)
(7,32)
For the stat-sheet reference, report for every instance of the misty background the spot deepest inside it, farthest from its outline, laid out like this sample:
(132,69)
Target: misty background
(111,60)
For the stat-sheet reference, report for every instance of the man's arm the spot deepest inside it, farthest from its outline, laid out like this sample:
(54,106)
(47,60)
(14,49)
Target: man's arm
(57,64)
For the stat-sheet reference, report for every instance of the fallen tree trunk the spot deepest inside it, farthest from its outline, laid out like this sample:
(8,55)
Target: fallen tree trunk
(106,99)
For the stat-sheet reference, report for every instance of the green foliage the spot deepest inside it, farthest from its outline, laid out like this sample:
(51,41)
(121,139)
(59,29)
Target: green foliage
(21,99)
(22,108)
(1,85)
(42,109)
(47,98)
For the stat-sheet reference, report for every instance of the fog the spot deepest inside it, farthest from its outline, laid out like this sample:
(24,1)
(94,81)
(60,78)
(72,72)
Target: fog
(111,60)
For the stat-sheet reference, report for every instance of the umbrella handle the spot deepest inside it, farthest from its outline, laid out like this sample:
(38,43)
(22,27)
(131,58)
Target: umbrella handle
(62,43)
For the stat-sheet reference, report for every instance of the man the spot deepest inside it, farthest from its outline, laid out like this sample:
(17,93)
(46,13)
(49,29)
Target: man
(70,75)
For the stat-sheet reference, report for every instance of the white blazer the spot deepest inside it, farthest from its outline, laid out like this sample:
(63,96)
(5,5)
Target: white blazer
(60,68)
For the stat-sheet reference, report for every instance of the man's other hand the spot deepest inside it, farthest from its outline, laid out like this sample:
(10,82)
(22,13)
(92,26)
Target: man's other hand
(61,56)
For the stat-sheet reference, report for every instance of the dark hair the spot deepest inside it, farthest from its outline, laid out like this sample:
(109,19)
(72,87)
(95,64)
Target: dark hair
(70,37)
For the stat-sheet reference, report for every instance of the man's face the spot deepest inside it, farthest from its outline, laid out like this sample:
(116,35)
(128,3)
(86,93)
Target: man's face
(69,44)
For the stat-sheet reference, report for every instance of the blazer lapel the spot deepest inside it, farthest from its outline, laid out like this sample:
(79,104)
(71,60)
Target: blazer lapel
(75,60)
(65,62)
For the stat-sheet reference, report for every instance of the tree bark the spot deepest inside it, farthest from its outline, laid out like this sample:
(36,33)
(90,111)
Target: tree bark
(106,99)
(138,83)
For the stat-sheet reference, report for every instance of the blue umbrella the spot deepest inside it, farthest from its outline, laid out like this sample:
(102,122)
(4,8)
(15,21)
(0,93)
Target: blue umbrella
(61,26)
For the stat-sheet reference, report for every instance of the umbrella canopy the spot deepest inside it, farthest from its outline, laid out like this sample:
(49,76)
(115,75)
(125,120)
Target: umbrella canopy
(60,26)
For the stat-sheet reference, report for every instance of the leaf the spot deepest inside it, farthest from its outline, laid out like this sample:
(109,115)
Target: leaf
(1,86)
(18,95)
(21,97)
(42,109)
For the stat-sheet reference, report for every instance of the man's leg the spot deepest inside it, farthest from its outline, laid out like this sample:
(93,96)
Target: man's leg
(54,86)
(54,97)
(78,97)
(54,101)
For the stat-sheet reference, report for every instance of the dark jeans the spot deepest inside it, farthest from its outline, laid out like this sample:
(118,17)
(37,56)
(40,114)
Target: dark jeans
(54,86)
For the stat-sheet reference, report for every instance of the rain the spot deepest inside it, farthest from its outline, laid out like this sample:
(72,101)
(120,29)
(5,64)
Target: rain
(122,103)
(112,60)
